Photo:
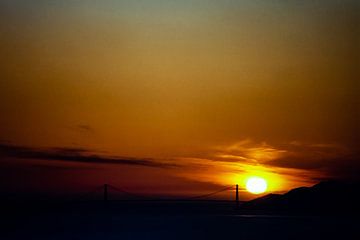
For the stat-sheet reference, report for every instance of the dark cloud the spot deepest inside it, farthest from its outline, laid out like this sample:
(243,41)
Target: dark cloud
(332,160)
(60,168)
(75,155)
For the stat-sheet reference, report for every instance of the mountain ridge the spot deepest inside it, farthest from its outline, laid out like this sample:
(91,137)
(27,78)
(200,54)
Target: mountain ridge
(330,197)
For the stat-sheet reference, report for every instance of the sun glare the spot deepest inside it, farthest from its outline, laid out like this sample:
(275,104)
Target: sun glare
(256,185)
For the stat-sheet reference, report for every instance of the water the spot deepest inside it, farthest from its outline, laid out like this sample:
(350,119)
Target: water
(127,222)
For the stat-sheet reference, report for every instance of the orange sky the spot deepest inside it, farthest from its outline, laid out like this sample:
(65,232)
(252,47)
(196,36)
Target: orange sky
(211,91)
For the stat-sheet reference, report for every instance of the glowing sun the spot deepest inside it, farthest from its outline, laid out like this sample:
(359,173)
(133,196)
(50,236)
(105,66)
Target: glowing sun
(256,185)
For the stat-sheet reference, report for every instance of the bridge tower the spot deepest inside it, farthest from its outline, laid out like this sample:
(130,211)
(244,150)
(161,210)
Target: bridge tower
(105,192)
(237,196)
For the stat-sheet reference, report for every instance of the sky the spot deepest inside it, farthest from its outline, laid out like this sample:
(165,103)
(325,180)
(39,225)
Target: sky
(177,97)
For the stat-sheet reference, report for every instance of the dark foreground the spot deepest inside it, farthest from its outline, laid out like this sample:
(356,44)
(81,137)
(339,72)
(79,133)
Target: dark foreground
(168,220)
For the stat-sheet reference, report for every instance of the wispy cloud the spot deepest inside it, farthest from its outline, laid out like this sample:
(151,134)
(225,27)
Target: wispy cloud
(248,151)
(325,159)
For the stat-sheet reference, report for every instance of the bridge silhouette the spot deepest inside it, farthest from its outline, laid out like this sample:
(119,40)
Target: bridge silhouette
(106,190)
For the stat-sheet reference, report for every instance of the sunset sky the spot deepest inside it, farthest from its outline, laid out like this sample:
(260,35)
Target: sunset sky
(177,97)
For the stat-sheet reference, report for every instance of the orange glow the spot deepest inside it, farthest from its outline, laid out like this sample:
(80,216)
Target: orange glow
(211,93)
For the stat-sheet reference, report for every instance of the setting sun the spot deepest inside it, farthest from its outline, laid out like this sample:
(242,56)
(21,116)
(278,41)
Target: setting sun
(256,185)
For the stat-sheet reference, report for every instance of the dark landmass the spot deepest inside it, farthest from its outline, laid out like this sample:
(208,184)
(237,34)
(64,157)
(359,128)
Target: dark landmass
(325,198)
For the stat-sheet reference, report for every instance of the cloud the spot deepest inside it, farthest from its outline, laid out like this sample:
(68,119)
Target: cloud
(82,128)
(325,160)
(335,161)
(85,128)
(75,155)
(249,152)
(310,156)
(60,168)
(317,160)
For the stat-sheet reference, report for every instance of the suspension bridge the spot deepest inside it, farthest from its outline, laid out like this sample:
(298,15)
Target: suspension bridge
(110,192)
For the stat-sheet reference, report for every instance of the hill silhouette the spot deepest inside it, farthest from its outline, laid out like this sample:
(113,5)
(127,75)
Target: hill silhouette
(331,197)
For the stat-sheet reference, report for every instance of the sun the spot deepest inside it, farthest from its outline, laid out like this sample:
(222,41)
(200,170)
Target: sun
(256,185)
